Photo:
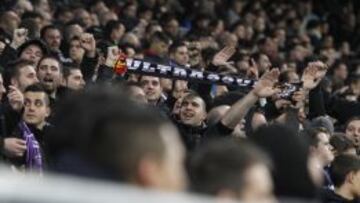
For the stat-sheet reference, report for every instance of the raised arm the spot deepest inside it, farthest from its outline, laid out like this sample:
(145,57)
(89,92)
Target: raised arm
(263,88)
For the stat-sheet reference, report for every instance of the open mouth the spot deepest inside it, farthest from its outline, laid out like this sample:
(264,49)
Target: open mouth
(188,115)
(48,80)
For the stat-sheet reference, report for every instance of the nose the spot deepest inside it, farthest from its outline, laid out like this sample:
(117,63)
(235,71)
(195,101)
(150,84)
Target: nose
(150,87)
(32,56)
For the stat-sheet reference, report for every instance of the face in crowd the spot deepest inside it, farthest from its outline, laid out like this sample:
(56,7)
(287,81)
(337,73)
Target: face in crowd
(353,131)
(52,38)
(36,108)
(193,110)
(49,73)
(32,53)
(181,55)
(26,77)
(75,80)
(324,148)
(152,88)
(76,52)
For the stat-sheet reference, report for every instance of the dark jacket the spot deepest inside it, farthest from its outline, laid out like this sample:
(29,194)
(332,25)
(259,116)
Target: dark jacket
(88,66)
(329,196)
(194,136)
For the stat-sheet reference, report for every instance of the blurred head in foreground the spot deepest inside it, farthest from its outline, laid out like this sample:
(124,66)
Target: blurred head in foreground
(102,134)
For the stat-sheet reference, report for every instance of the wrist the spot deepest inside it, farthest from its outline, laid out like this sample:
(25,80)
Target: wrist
(252,94)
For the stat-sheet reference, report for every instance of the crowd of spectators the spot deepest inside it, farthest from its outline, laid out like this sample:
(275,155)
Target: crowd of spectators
(63,108)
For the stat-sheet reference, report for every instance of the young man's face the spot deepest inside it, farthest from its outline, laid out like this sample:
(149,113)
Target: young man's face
(181,55)
(36,108)
(192,111)
(75,80)
(49,73)
(151,87)
(27,76)
(76,52)
(161,48)
(353,132)
(53,39)
(324,149)
(32,53)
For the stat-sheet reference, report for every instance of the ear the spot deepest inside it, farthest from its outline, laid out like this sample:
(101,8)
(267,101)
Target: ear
(351,177)
(147,174)
(48,111)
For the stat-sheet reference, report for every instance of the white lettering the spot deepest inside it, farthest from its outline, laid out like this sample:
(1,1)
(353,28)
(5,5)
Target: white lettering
(197,74)
(147,67)
(213,77)
(179,72)
(228,79)
(163,69)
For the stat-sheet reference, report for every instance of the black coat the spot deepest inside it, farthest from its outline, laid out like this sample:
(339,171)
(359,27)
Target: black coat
(329,196)
(193,136)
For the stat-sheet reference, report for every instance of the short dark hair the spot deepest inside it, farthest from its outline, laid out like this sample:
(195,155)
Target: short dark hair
(193,95)
(174,46)
(110,26)
(31,15)
(355,118)
(160,37)
(113,139)
(311,135)
(221,164)
(289,154)
(46,28)
(37,42)
(341,143)
(18,64)
(67,68)
(342,166)
(53,58)
(39,88)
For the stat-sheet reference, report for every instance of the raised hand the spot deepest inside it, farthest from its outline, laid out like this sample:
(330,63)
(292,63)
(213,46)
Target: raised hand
(223,56)
(88,43)
(313,74)
(16,98)
(19,37)
(265,87)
